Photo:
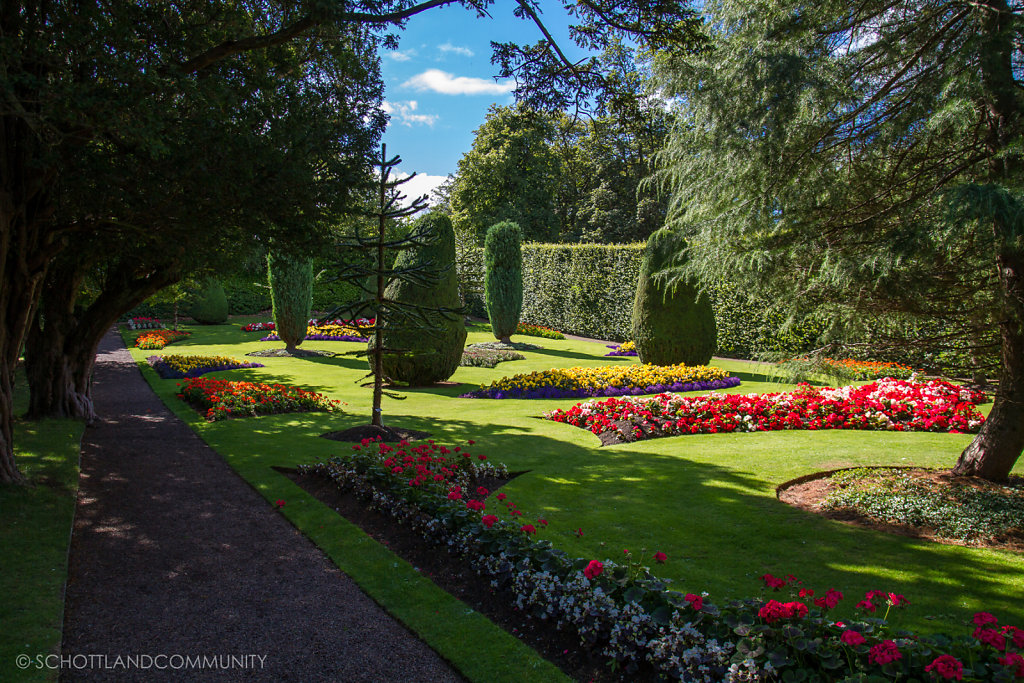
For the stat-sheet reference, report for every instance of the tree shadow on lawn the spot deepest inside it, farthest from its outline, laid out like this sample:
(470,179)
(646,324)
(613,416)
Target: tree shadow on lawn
(571,354)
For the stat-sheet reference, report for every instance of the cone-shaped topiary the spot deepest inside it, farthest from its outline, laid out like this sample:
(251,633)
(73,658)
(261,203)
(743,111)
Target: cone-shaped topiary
(210,305)
(670,324)
(503,278)
(428,351)
(291,295)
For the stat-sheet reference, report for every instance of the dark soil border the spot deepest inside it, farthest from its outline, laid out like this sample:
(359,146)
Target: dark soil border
(455,576)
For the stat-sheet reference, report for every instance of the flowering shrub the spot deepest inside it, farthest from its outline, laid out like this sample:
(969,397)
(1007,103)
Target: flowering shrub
(221,398)
(607,381)
(630,616)
(623,349)
(144,323)
(181,367)
(538,331)
(888,404)
(158,339)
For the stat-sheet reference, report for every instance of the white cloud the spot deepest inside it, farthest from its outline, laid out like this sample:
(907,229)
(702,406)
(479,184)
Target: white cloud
(405,113)
(400,56)
(448,47)
(448,84)
(420,185)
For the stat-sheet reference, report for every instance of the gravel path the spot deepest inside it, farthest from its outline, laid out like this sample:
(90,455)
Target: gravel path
(173,554)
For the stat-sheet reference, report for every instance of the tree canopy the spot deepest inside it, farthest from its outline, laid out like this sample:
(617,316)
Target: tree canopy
(862,158)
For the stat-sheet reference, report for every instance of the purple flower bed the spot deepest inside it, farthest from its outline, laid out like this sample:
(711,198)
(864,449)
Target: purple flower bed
(616,350)
(554,392)
(167,372)
(320,337)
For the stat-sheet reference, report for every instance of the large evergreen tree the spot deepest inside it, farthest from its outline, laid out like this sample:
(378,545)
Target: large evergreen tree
(863,158)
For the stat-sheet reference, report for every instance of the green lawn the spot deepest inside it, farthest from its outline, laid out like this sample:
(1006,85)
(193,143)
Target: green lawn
(34,538)
(707,501)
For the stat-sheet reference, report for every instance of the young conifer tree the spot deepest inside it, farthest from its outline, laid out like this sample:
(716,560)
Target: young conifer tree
(376,266)
(503,278)
(291,296)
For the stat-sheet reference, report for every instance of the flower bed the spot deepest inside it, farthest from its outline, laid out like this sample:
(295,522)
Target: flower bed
(144,323)
(219,399)
(259,327)
(538,331)
(867,370)
(182,367)
(332,331)
(607,381)
(628,615)
(623,349)
(158,339)
(887,404)
(474,357)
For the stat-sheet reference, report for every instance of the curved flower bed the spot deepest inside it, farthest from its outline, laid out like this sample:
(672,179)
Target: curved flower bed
(155,340)
(623,349)
(867,369)
(607,381)
(538,331)
(182,367)
(328,332)
(631,617)
(888,404)
(220,399)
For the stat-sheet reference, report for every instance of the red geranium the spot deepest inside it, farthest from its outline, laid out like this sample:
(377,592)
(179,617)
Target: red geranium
(594,569)
(947,666)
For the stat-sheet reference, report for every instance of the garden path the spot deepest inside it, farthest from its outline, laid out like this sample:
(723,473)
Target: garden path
(172,553)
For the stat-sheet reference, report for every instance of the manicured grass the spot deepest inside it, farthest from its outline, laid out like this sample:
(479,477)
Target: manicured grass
(707,501)
(34,539)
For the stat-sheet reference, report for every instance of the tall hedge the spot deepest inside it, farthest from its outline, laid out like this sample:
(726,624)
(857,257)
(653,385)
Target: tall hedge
(210,304)
(291,296)
(503,278)
(671,323)
(425,353)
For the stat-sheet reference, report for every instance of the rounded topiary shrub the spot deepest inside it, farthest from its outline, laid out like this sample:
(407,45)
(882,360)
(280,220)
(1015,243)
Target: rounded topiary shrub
(503,278)
(418,353)
(670,324)
(291,296)
(210,304)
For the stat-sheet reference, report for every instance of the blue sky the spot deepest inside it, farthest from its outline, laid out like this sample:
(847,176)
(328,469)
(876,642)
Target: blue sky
(440,83)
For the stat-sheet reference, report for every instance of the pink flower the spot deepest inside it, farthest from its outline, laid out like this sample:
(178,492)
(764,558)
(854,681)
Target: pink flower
(866,605)
(947,666)
(279,503)
(852,638)
(594,569)
(660,557)
(489,520)
(528,528)
(991,637)
(829,600)
(502,496)
(696,601)
(454,495)
(805,592)
(773,582)
(984,619)
(884,652)
(579,532)
(896,600)
(477,505)
(1016,634)
(481,491)
(1014,659)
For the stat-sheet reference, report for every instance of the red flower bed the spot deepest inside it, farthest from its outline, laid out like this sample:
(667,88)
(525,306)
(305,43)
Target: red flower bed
(897,405)
(221,398)
(158,339)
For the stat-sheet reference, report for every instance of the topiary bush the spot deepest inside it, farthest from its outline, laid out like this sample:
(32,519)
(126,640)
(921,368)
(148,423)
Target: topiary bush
(419,353)
(210,305)
(503,278)
(291,296)
(670,324)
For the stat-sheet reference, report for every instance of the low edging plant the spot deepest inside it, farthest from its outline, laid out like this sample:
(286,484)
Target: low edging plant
(183,367)
(631,616)
(888,404)
(220,399)
(624,349)
(607,381)
(474,357)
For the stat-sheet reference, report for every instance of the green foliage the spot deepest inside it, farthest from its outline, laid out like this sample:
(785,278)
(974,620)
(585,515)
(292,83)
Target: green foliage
(957,510)
(428,350)
(210,305)
(503,278)
(291,295)
(509,175)
(671,323)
